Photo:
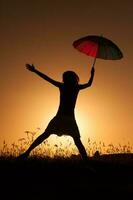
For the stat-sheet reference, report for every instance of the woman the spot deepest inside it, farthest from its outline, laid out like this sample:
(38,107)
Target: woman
(64,122)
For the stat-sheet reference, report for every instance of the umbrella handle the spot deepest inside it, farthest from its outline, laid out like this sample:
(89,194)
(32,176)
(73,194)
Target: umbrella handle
(94,61)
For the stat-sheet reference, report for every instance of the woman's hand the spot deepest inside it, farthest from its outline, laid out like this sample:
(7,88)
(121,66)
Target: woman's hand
(30,67)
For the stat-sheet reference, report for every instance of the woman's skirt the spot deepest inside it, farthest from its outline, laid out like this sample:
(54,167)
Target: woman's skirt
(63,125)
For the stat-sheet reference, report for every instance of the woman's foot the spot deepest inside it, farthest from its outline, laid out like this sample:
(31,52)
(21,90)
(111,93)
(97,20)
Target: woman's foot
(22,156)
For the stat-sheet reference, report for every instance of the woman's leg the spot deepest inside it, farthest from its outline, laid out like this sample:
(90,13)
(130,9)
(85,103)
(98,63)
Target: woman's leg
(37,141)
(80,147)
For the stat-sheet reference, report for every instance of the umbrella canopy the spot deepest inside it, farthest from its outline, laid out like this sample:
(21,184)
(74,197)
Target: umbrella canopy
(98,47)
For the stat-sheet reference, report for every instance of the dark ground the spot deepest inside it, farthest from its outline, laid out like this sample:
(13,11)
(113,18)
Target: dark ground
(59,178)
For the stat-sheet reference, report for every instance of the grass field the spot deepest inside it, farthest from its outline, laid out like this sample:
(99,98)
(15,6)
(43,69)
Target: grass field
(59,174)
(51,178)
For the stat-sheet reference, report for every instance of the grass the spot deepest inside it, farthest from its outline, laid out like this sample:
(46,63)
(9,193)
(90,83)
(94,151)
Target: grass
(47,149)
(54,172)
(55,178)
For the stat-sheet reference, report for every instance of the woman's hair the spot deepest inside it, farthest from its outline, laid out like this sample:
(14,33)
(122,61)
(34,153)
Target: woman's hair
(70,77)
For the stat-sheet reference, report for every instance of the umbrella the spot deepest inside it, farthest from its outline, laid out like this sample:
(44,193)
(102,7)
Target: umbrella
(98,47)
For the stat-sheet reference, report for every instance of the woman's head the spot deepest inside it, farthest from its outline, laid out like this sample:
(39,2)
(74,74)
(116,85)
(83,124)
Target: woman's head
(70,77)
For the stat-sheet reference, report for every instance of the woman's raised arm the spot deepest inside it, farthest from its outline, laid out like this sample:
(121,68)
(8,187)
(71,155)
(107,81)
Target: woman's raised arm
(45,77)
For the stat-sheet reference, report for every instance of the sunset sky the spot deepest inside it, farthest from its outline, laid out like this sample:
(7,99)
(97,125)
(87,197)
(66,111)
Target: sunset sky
(42,32)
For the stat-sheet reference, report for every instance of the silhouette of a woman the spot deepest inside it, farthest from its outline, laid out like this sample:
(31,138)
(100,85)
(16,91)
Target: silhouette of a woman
(64,122)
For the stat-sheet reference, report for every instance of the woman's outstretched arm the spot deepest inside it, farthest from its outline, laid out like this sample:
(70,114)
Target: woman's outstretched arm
(45,77)
(88,84)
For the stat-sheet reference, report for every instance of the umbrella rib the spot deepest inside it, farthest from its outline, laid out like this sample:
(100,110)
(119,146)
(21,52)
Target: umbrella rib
(93,51)
(112,52)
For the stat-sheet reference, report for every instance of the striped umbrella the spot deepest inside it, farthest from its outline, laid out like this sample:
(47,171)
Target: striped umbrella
(98,47)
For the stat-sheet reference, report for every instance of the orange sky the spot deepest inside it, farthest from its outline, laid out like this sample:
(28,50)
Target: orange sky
(42,32)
